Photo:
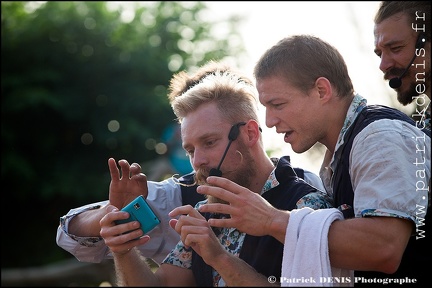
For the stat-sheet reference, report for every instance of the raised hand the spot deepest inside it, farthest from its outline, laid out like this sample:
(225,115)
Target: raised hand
(127,186)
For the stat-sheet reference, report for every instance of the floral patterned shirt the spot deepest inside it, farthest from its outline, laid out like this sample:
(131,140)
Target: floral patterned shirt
(231,238)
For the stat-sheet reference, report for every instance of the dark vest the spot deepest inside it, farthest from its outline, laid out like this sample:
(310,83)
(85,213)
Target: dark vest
(263,253)
(417,255)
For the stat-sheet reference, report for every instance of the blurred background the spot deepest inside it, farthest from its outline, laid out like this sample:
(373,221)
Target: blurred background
(85,81)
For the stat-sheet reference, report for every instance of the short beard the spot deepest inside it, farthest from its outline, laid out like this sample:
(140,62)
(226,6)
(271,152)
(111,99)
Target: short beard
(242,175)
(407,97)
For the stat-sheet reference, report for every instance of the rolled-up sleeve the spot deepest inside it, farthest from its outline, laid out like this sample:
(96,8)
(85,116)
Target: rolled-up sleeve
(390,170)
(162,197)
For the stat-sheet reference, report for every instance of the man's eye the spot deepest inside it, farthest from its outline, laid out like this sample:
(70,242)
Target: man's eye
(278,105)
(396,48)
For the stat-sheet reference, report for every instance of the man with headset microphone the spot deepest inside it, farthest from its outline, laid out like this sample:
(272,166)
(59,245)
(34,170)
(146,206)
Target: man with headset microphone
(79,229)
(402,41)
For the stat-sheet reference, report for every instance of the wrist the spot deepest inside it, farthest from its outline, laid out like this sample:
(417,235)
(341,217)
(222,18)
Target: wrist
(278,225)
(220,261)
(86,224)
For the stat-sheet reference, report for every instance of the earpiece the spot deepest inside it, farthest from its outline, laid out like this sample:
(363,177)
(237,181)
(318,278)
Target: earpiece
(235,131)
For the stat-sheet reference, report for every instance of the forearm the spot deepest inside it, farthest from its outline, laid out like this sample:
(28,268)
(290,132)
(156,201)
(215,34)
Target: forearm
(373,243)
(132,270)
(236,272)
(86,224)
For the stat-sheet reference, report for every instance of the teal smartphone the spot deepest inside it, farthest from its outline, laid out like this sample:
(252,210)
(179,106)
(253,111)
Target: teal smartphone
(140,211)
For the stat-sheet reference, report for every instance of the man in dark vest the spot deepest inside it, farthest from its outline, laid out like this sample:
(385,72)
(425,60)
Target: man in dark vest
(79,230)
(376,167)
(222,136)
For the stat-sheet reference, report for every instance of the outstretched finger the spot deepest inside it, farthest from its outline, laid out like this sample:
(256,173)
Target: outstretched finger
(221,223)
(216,208)
(217,192)
(182,210)
(125,168)
(225,184)
(114,171)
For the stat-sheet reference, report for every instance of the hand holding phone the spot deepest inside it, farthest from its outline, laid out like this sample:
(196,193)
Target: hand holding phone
(140,211)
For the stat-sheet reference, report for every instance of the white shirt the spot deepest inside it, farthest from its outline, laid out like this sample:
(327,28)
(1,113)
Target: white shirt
(389,168)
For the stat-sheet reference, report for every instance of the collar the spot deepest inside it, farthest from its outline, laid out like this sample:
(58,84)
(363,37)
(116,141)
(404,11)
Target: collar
(357,105)
(271,181)
(282,170)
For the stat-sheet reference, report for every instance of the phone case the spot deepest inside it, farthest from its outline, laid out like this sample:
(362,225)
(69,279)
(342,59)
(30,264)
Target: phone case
(140,211)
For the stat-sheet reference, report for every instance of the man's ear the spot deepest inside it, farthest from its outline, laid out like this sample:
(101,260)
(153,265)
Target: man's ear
(253,131)
(324,88)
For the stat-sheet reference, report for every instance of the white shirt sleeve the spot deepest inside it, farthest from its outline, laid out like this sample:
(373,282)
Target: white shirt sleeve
(162,197)
(390,170)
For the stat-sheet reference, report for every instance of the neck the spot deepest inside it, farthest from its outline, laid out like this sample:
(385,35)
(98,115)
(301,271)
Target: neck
(263,170)
(336,122)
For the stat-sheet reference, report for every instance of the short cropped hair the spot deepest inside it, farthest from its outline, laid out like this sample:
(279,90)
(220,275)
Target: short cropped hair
(301,59)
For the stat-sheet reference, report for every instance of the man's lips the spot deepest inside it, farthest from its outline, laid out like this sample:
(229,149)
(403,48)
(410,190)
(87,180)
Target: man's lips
(390,77)
(287,136)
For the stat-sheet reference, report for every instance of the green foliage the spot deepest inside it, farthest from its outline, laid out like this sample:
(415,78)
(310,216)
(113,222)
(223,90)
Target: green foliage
(68,70)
